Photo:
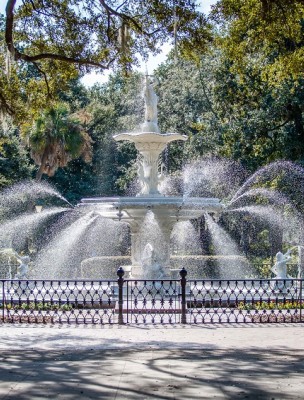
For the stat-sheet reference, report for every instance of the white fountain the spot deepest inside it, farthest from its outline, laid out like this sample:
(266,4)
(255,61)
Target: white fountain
(163,211)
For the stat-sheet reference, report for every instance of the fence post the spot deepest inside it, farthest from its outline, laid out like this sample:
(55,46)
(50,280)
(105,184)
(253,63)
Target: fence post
(3,301)
(120,281)
(301,301)
(183,281)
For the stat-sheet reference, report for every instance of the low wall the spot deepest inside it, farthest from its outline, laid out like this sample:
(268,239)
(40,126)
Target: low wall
(197,266)
(102,267)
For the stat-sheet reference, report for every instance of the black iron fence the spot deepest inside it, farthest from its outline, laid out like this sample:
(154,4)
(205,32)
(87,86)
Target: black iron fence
(168,301)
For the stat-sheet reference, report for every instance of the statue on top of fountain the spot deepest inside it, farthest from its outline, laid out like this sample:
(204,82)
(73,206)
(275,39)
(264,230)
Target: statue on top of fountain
(151,120)
(280,267)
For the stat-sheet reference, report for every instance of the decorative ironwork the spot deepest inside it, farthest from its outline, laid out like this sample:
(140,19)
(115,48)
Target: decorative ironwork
(235,301)
(79,302)
(152,301)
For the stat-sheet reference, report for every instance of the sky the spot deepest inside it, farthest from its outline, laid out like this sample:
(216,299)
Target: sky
(153,62)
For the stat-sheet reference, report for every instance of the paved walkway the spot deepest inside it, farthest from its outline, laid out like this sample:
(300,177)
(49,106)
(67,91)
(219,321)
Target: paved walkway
(155,362)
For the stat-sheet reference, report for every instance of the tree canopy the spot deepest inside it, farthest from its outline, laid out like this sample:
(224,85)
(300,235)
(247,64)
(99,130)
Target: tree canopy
(47,43)
(263,33)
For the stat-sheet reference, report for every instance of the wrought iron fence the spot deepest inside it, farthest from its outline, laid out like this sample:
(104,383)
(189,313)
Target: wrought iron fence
(125,301)
(87,302)
(221,301)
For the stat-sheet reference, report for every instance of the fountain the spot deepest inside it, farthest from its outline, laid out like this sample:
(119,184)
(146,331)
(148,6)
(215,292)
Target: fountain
(149,206)
(89,240)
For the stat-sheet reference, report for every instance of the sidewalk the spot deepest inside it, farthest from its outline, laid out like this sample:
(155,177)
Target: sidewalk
(152,362)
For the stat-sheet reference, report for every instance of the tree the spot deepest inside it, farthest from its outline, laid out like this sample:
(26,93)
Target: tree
(62,39)
(14,160)
(224,113)
(187,105)
(55,139)
(266,33)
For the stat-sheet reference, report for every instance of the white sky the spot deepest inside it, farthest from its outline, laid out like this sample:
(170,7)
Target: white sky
(89,79)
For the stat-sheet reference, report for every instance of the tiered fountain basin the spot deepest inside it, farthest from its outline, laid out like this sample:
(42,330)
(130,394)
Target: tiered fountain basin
(130,209)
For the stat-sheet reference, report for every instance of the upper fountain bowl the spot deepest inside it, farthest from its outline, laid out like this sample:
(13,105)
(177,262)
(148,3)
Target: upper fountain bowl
(150,137)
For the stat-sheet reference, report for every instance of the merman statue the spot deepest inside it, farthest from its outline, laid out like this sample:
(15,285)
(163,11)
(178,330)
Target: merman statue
(280,267)
(23,267)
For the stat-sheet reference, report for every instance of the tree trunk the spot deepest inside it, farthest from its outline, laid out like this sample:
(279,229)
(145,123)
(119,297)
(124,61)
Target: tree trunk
(42,165)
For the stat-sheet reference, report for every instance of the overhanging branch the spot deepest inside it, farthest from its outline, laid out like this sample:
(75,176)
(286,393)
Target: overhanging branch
(17,55)
(45,78)
(5,106)
(124,17)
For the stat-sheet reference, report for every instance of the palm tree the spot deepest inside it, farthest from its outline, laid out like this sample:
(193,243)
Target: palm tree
(55,139)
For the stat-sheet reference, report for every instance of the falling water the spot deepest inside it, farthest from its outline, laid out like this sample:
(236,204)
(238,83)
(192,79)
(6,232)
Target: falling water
(19,228)
(212,177)
(272,170)
(58,259)
(185,239)
(225,246)
(28,191)
(77,240)
(264,213)
(150,232)
(272,195)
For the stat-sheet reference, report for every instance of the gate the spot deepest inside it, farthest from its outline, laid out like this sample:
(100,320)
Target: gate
(156,302)
(133,301)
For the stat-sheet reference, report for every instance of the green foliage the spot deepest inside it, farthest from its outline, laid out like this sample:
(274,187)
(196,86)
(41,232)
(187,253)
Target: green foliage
(56,138)
(50,43)
(271,305)
(115,107)
(76,180)
(267,34)
(14,161)
(41,306)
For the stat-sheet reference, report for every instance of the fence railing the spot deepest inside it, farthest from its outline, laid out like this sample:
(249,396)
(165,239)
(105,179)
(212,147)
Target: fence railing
(167,301)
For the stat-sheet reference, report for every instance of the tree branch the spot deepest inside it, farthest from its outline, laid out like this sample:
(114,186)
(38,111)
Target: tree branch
(123,16)
(4,104)
(17,55)
(59,57)
(45,78)
(9,25)
(206,95)
(279,126)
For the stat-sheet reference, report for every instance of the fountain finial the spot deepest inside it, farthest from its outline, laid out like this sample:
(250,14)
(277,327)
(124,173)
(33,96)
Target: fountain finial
(151,122)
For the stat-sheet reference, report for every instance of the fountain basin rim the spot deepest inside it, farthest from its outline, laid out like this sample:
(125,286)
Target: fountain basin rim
(152,137)
(151,201)
(167,208)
